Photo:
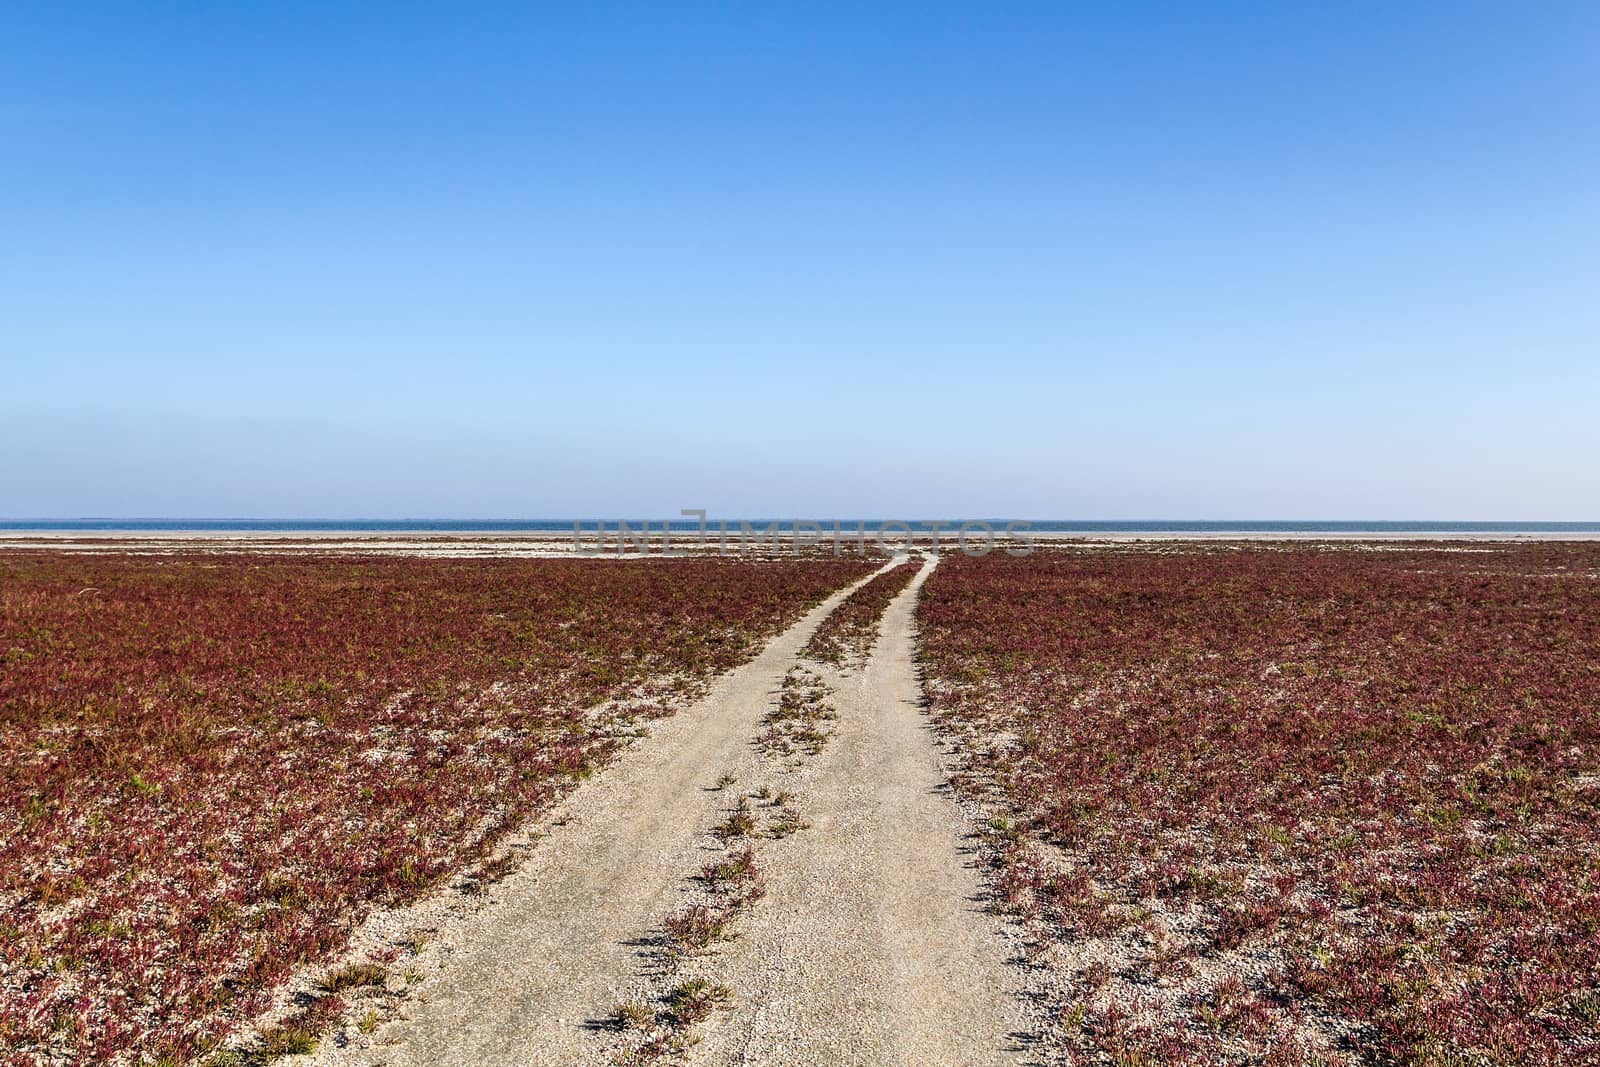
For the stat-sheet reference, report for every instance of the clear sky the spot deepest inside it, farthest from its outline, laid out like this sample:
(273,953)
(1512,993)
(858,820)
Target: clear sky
(1108,260)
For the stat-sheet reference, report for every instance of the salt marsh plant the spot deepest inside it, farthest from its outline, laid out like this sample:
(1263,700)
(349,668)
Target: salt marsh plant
(1362,785)
(216,764)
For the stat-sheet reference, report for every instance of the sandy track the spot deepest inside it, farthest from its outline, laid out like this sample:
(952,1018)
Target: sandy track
(525,979)
(872,946)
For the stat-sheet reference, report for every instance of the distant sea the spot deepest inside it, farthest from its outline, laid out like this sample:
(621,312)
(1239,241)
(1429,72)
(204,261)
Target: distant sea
(1086,527)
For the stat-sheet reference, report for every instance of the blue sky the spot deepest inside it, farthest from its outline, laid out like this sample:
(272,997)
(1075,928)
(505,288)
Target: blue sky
(1054,260)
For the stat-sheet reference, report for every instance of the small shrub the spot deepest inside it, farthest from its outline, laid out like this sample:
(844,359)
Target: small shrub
(694,999)
(634,1015)
(354,975)
(695,926)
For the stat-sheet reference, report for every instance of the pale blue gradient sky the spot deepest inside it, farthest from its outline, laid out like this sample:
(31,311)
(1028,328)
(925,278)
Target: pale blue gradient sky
(1115,260)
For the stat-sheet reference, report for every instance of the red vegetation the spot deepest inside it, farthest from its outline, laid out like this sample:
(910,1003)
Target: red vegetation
(1302,805)
(852,629)
(212,767)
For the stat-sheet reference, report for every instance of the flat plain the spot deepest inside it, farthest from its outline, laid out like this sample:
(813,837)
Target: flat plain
(1302,805)
(1171,802)
(216,765)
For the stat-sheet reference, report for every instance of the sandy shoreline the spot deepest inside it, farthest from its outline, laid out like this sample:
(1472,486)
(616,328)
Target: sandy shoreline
(523,543)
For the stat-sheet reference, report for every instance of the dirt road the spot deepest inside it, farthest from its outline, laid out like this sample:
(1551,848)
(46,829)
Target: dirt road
(870,947)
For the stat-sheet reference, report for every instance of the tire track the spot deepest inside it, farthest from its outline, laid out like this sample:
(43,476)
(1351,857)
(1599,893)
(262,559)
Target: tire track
(872,946)
(527,980)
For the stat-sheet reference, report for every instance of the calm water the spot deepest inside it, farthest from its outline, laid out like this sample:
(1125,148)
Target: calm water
(1061,526)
